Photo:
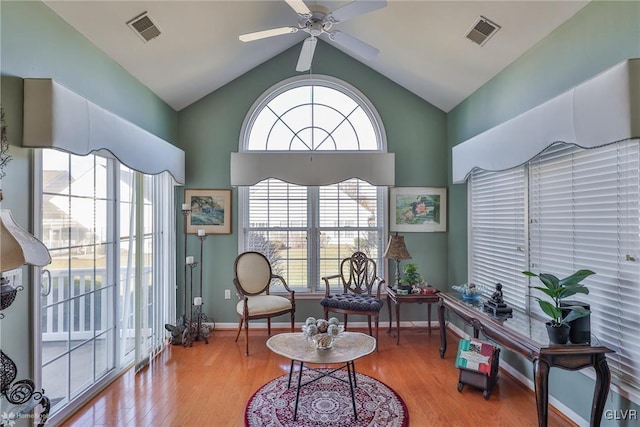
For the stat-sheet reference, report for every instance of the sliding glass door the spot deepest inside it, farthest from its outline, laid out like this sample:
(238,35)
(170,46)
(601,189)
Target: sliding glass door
(110,287)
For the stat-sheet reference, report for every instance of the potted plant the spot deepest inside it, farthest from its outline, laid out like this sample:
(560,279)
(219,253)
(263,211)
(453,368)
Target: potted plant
(411,279)
(558,289)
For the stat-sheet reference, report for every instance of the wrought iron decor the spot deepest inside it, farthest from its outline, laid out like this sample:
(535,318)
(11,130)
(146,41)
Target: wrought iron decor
(21,393)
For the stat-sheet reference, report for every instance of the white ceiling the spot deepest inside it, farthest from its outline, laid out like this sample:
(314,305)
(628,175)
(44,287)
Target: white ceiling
(422,43)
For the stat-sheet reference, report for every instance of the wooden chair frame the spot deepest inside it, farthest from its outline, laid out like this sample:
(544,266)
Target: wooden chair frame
(358,275)
(245,295)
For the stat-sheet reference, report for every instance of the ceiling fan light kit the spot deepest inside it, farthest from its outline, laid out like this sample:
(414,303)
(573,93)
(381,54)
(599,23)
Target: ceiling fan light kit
(317,22)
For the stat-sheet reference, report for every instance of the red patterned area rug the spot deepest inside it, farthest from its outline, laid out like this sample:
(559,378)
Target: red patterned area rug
(326,402)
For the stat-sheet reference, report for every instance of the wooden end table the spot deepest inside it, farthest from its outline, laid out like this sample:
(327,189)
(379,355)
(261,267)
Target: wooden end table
(347,348)
(392,296)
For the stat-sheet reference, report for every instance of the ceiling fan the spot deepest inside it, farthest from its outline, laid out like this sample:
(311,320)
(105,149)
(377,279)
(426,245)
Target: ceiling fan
(317,21)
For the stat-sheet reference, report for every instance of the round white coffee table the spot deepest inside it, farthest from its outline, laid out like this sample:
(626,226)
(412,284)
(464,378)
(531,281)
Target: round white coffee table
(348,347)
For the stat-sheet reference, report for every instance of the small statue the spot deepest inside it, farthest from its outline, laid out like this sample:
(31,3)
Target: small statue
(497,295)
(496,305)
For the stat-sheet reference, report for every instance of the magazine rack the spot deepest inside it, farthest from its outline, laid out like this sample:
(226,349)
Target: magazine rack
(478,363)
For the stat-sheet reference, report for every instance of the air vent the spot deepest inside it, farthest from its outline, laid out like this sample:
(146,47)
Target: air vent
(482,31)
(144,27)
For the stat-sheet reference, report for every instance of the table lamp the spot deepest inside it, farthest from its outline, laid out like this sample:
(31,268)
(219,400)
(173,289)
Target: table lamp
(397,250)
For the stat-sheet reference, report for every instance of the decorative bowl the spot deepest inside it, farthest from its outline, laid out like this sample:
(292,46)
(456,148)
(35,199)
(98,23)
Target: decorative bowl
(468,291)
(322,332)
(323,341)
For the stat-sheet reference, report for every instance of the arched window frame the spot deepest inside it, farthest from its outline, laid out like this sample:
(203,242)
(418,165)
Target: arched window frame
(313,285)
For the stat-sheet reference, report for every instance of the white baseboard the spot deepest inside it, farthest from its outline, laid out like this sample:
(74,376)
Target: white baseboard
(559,406)
(298,325)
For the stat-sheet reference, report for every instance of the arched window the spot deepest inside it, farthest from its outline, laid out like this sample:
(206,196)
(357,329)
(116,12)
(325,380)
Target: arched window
(306,230)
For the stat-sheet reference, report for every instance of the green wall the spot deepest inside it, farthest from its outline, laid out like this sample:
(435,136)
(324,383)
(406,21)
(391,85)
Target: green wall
(209,130)
(600,35)
(35,42)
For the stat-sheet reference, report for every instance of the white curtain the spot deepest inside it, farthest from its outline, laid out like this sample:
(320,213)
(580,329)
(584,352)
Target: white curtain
(147,301)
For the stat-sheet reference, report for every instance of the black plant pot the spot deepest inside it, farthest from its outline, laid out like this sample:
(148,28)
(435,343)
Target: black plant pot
(558,334)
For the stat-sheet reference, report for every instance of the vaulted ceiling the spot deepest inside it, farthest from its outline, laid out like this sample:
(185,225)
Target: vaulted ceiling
(422,44)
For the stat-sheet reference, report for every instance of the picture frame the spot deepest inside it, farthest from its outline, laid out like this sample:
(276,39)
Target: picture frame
(210,211)
(418,209)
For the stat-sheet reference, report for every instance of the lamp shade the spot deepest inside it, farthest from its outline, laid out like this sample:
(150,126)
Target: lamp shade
(396,249)
(18,247)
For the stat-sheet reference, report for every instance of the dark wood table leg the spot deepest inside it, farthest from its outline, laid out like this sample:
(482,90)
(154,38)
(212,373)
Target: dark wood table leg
(541,381)
(603,380)
(443,330)
(398,322)
(390,318)
(429,316)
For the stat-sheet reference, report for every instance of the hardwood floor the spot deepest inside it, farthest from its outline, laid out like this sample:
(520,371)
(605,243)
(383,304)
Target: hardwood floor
(210,384)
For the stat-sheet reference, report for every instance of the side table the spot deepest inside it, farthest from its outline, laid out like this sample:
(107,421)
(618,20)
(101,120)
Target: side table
(392,296)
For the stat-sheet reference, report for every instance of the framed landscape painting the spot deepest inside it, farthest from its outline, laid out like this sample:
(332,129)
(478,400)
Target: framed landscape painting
(418,209)
(210,211)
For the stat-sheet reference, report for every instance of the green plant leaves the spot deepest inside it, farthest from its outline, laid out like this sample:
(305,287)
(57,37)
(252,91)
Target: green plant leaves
(576,278)
(550,310)
(557,290)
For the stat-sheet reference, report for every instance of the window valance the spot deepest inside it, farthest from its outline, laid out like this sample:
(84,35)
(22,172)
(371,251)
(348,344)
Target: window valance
(600,111)
(56,117)
(313,168)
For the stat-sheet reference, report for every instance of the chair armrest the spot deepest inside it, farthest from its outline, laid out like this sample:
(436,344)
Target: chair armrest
(327,286)
(284,283)
(381,282)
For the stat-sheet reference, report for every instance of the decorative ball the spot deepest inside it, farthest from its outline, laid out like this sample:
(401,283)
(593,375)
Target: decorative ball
(322,325)
(333,329)
(310,321)
(334,321)
(310,330)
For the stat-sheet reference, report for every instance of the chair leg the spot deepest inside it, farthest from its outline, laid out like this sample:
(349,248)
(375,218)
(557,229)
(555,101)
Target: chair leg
(239,329)
(246,337)
(326,313)
(345,321)
(293,320)
(269,326)
(377,321)
(369,323)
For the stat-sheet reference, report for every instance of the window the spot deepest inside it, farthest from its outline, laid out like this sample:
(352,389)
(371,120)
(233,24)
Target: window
(498,232)
(306,231)
(585,214)
(582,211)
(108,290)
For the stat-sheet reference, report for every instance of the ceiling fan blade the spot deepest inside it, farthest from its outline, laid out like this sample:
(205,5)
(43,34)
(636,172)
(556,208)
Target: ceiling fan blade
(249,37)
(355,8)
(353,44)
(299,7)
(306,54)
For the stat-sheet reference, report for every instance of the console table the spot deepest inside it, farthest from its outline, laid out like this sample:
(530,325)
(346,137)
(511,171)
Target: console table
(528,337)
(392,296)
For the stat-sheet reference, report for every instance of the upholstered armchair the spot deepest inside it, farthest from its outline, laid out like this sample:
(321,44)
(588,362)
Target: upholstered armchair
(253,276)
(360,293)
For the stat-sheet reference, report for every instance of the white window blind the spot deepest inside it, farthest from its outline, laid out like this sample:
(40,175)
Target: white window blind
(498,232)
(584,214)
(345,217)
